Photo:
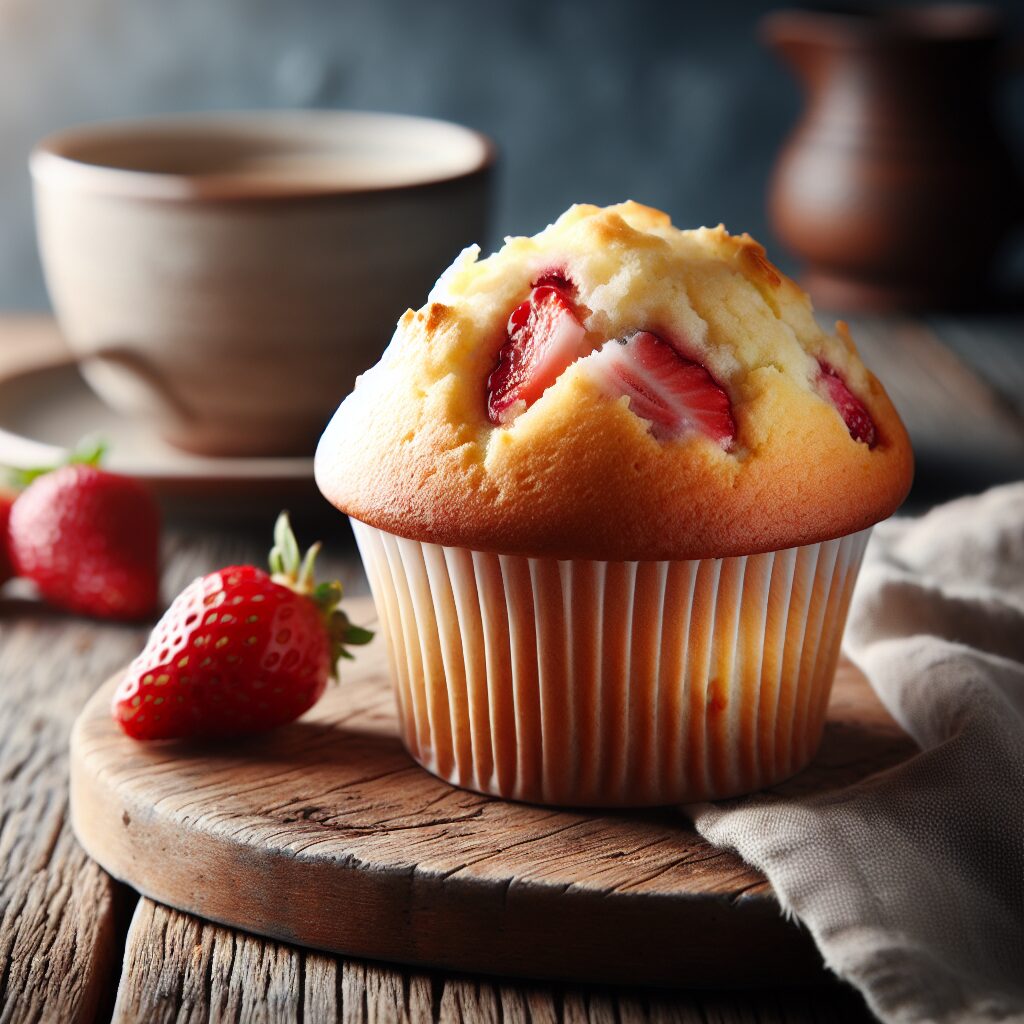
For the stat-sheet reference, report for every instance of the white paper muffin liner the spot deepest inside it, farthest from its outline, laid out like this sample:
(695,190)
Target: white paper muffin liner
(610,683)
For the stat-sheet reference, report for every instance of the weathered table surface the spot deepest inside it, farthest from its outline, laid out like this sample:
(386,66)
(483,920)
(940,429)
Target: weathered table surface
(76,946)
(65,925)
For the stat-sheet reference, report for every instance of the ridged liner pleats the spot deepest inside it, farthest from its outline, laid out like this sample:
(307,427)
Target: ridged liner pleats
(611,683)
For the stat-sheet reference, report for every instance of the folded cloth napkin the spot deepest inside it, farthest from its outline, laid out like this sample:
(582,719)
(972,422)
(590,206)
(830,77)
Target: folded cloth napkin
(912,881)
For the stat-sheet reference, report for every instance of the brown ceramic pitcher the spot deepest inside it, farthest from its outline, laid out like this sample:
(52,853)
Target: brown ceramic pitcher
(896,187)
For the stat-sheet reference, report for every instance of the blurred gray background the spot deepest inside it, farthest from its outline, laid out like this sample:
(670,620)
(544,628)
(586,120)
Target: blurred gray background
(673,104)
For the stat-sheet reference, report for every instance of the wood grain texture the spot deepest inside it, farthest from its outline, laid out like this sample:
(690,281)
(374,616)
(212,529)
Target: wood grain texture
(60,927)
(179,969)
(325,833)
(57,908)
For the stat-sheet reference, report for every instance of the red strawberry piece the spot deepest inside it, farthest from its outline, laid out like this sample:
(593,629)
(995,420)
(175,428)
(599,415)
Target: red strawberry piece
(238,651)
(856,417)
(544,337)
(677,395)
(89,540)
(6,563)
(235,652)
(556,279)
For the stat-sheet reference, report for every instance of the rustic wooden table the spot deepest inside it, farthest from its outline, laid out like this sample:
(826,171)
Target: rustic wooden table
(77,946)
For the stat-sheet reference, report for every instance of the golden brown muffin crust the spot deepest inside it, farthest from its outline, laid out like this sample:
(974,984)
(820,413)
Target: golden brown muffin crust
(578,474)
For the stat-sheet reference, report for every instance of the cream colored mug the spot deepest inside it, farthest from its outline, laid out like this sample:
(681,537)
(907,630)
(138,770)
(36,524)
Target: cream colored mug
(227,276)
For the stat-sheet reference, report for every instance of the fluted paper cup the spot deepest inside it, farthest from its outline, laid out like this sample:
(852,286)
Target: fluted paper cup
(610,683)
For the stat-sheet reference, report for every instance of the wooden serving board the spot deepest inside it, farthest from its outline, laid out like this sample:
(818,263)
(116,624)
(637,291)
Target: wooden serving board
(326,834)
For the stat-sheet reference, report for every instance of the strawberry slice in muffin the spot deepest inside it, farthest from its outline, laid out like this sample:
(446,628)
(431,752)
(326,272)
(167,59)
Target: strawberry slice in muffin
(676,395)
(857,419)
(544,336)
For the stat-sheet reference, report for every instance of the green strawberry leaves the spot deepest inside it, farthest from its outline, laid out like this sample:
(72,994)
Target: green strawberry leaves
(90,451)
(290,568)
(285,558)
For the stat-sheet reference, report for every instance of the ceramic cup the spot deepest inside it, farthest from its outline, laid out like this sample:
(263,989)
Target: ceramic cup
(227,276)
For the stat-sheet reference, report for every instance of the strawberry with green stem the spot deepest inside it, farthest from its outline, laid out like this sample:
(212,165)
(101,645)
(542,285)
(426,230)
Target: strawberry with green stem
(89,539)
(240,650)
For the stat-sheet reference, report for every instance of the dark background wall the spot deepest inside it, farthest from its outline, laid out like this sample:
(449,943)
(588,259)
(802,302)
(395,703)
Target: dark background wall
(673,104)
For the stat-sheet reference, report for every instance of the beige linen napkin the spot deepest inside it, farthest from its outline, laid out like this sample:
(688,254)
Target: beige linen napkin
(912,881)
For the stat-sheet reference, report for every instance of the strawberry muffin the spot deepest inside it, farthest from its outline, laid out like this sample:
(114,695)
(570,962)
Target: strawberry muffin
(612,486)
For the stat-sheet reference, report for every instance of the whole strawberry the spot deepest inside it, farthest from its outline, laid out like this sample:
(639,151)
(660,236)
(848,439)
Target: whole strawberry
(6,565)
(238,651)
(89,540)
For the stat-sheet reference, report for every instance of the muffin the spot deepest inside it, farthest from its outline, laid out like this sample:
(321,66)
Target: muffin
(611,487)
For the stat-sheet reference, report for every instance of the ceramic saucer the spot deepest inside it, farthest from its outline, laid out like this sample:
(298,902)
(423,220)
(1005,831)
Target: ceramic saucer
(44,411)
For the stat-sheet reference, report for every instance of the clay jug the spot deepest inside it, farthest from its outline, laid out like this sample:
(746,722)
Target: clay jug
(896,187)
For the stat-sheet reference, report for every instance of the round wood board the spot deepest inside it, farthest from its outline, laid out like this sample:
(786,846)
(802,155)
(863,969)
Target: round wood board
(326,834)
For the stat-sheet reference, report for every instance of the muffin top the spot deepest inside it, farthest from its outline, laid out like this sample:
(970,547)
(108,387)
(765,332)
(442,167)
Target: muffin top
(616,388)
